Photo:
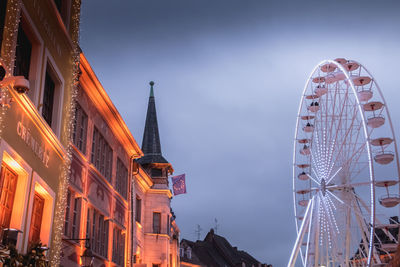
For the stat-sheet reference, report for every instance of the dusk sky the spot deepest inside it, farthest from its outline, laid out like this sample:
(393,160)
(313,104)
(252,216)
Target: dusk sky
(228,80)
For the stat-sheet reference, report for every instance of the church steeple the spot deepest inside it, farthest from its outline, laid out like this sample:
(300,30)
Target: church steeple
(151,145)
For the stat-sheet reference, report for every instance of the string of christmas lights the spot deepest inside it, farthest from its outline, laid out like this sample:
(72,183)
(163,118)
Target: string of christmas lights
(58,224)
(10,33)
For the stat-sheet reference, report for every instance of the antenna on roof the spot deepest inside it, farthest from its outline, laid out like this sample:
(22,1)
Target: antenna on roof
(198,231)
(216,226)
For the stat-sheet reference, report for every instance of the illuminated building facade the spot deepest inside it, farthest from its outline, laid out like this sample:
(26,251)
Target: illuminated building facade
(98,197)
(38,41)
(108,180)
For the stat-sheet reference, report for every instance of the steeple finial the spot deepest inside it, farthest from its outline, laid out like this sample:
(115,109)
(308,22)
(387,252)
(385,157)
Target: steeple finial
(151,89)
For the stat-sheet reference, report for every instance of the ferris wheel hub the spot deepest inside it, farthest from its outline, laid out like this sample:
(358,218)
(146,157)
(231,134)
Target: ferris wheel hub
(323,186)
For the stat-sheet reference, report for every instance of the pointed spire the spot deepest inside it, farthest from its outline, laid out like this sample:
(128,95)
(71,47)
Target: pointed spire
(151,145)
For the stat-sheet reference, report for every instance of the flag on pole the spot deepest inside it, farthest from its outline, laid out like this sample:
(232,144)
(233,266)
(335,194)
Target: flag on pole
(179,184)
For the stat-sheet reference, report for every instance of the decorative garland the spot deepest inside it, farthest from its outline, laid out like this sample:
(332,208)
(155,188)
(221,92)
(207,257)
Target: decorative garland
(10,32)
(58,223)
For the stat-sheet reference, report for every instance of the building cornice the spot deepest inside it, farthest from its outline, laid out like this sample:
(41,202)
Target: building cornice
(166,192)
(103,103)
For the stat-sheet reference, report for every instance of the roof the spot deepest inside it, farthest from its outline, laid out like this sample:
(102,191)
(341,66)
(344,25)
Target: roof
(215,250)
(151,145)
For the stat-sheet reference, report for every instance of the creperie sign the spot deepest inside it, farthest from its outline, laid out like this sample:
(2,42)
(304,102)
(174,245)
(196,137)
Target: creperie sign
(36,147)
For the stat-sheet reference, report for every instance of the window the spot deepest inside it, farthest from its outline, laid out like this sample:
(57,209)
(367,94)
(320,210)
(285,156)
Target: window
(101,155)
(168,225)
(121,181)
(87,242)
(138,214)
(3,8)
(36,220)
(58,4)
(63,7)
(8,185)
(48,99)
(156,222)
(23,52)
(182,252)
(76,214)
(67,209)
(80,129)
(118,247)
(156,172)
(97,232)
(156,265)
(72,215)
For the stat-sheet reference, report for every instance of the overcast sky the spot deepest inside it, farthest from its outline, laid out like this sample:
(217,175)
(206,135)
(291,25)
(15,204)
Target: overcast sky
(228,80)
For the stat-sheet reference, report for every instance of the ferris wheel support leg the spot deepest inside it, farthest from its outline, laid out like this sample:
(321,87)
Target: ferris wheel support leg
(300,235)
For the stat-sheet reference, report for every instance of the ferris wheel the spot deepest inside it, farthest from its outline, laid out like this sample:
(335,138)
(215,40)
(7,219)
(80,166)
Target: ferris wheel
(345,170)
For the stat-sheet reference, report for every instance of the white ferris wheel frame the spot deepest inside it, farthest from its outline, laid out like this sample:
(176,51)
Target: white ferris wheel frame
(309,209)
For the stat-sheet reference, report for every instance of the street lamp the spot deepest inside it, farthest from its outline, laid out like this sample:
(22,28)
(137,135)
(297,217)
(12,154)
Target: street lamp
(87,258)
(10,236)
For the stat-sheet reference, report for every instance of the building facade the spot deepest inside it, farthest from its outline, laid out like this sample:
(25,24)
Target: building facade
(116,205)
(98,197)
(38,41)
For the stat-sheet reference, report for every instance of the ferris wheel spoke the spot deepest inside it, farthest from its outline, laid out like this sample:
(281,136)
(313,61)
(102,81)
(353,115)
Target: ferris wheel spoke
(359,150)
(343,143)
(313,179)
(362,166)
(353,127)
(340,117)
(331,228)
(343,186)
(367,208)
(333,176)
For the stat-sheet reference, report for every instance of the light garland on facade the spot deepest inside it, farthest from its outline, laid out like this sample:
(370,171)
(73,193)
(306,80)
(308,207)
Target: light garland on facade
(58,222)
(9,43)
